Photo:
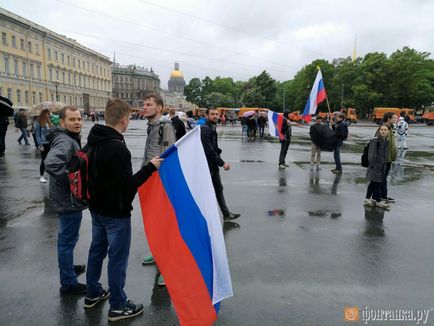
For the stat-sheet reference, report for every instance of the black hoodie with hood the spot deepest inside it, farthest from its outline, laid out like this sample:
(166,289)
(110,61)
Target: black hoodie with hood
(114,185)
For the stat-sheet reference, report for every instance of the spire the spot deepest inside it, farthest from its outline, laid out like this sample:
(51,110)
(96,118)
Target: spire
(114,56)
(354,57)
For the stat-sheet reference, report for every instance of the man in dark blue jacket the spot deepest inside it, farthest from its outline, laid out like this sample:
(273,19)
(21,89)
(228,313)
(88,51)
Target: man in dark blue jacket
(212,152)
(341,132)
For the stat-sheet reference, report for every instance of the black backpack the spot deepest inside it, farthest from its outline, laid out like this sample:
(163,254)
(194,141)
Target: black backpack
(179,127)
(364,161)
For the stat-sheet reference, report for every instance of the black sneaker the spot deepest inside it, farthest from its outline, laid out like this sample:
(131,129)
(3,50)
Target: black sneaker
(231,216)
(79,269)
(78,289)
(129,311)
(92,302)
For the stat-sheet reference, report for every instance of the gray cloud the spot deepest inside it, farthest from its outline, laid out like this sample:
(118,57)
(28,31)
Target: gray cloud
(234,38)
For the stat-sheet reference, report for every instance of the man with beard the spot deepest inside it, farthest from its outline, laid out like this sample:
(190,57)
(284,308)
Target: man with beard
(212,152)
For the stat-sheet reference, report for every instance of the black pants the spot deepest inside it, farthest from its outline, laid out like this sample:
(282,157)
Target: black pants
(3,130)
(261,131)
(43,156)
(284,145)
(374,191)
(218,188)
(384,183)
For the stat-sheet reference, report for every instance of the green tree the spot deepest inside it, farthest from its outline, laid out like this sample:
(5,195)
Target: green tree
(193,91)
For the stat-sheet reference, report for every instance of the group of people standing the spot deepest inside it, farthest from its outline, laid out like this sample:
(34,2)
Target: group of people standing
(113,187)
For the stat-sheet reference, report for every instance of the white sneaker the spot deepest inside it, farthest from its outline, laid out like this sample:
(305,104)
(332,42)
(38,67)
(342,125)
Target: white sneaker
(43,180)
(369,202)
(382,204)
(282,167)
(318,168)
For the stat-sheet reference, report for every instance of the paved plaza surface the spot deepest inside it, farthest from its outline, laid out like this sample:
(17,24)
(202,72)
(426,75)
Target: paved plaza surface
(303,250)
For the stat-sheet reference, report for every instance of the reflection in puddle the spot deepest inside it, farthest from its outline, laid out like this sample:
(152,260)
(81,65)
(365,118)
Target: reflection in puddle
(325,213)
(277,212)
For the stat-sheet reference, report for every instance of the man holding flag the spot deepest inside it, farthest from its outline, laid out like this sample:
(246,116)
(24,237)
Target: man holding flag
(280,127)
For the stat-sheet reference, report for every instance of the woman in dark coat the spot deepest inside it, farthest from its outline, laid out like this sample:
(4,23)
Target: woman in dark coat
(376,169)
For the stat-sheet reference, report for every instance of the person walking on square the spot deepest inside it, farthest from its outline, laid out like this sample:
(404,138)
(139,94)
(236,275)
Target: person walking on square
(6,111)
(389,119)
(262,121)
(377,168)
(286,131)
(212,152)
(65,142)
(21,124)
(341,132)
(402,131)
(41,128)
(315,156)
(113,189)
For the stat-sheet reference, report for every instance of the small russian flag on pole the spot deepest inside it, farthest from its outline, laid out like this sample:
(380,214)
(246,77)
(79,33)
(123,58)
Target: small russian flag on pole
(317,95)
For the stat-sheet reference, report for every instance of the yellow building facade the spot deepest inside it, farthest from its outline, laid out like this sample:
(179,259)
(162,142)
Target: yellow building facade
(39,65)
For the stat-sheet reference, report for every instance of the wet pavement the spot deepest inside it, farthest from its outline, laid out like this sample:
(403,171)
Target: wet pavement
(303,249)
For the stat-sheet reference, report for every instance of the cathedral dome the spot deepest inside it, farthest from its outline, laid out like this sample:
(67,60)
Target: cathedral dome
(176,74)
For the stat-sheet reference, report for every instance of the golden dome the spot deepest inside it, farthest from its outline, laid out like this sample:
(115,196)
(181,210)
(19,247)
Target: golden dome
(176,74)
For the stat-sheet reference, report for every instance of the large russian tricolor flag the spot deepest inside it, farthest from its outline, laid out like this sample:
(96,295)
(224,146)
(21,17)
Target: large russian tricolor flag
(275,122)
(184,232)
(317,95)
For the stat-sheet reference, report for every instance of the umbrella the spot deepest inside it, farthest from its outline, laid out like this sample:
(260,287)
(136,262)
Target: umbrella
(52,106)
(248,113)
(6,109)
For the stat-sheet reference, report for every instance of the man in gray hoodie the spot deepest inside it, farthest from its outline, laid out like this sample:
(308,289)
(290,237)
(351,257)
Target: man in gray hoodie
(65,141)
(161,135)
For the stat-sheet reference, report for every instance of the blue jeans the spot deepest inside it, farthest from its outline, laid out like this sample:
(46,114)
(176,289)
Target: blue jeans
(23,136)
(337,156)
(112,236)
(69,225)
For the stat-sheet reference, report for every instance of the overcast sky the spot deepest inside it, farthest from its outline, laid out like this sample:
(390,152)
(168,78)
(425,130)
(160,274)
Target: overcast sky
(232,38)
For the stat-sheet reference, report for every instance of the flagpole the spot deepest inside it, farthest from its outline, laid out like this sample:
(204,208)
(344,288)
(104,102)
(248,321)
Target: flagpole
(327,99)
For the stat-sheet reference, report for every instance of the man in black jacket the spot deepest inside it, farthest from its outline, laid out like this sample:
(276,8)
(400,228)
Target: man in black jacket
(212,152)
(113,189)
(341,132)
(6,111)
(286,141)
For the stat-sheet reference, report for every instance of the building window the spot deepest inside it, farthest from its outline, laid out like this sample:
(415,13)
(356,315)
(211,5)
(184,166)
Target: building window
(69,79)
(57,75)
(40,97)
(16,68)
(7,71)
(14,42)
(32,71)
(63,77)
(22,44)
(29,45)
(49,54)
(18,96)
(69,62)
(56,56)
(51,74)
(38,72)
(4,38)
(70,100)
(10,93)
(63,58)
(37,48)
(26,97)
(79,81)
(81,101)
(75,100)
(52,97)
(34,97)
(73,62)
(64,99)
(24,70)
(79,64)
